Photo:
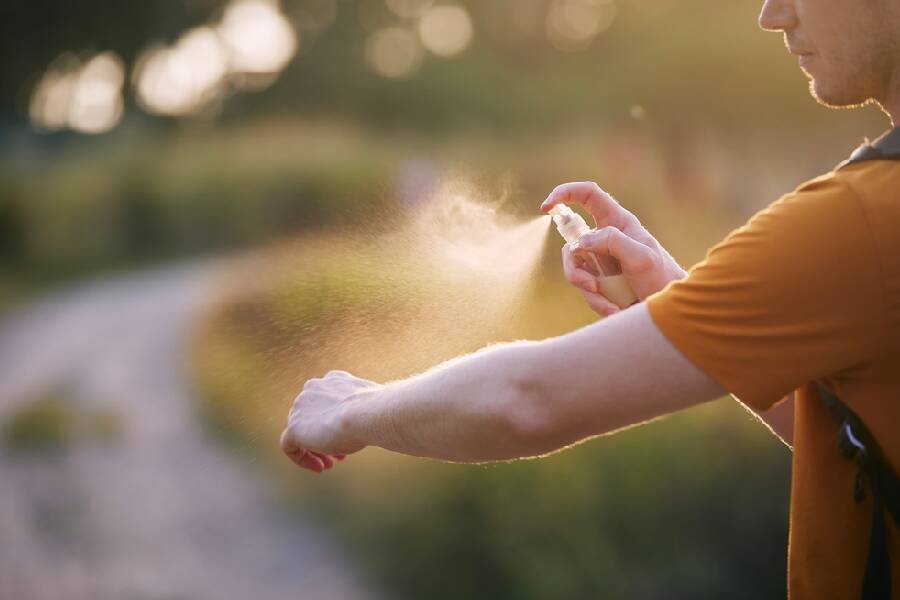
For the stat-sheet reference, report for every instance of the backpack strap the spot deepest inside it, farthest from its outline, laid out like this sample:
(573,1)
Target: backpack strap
(856,443)
(887,147)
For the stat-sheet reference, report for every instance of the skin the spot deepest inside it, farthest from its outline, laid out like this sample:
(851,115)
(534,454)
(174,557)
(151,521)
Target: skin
(529,399)
(847,48)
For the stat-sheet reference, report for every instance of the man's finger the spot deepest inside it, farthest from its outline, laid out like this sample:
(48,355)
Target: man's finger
(327,461)
(297,458)
(634,256)
(602,206)
(576,275)
(312,462)
(599,304)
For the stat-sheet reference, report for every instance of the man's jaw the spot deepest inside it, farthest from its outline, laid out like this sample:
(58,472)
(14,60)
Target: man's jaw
(891,103)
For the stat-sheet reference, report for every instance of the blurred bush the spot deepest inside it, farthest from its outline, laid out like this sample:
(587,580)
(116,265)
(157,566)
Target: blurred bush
(50,423)
(126,204)
(45,424)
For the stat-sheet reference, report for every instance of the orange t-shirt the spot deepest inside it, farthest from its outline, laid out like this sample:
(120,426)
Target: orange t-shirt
(807,289)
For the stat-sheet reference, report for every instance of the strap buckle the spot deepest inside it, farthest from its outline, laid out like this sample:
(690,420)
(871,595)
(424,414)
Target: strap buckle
(850,444)
(853,449)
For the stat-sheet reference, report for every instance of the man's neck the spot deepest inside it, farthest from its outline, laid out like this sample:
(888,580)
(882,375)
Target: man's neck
(891,103)
(893,111)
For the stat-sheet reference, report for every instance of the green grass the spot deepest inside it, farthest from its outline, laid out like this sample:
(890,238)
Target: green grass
(44,425)
(51,423)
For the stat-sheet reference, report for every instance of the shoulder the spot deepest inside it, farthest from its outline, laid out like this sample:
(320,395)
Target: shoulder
(833,190)
(875,184)
(821,217)
(790,254)
(783,299)
(866,181)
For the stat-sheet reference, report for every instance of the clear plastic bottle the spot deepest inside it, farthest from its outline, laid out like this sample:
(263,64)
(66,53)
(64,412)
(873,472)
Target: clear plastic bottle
(612,282)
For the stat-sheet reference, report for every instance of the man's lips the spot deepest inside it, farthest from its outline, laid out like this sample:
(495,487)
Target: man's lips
(804,56)
(795,47)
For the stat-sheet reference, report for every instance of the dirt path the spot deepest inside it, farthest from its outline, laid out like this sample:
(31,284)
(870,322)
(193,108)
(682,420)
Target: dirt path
(162,512)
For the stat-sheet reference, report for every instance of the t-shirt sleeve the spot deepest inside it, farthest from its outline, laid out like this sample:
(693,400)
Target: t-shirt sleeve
(791,296)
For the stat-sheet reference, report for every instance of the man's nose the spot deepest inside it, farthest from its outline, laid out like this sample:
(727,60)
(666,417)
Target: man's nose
(778,15)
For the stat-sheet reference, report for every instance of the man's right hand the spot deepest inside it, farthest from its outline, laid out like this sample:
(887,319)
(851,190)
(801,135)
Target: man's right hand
(647,266)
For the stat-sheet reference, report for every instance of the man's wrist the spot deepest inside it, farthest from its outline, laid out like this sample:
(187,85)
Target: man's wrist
(359,420)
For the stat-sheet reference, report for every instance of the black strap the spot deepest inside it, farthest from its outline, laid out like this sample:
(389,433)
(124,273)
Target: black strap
(856,443)
(887,147)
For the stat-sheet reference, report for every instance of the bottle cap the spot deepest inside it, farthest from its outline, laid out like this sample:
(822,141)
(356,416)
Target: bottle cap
(568,222)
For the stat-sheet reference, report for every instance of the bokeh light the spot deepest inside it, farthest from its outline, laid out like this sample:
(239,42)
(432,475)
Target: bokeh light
(250,46)
(446,30)
(573,24)
(181,79)
(394,52)
(258,37)
(86,98)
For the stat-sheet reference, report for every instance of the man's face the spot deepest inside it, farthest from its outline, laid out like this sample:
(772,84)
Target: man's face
(848,48)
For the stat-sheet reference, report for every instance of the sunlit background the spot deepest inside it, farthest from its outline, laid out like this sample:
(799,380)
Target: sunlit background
(204,203)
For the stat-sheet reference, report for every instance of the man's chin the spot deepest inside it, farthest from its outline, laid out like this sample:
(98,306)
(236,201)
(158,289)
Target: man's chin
(833,98)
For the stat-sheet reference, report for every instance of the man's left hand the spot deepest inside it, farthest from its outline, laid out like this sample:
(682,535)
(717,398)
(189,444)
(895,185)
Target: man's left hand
(315,437)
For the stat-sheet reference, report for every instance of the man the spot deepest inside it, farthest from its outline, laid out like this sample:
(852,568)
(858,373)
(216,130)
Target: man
(808,290)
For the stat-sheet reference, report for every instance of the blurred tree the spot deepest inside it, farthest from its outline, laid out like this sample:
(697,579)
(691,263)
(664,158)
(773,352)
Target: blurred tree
(34,32)
(512,77)
(12,230)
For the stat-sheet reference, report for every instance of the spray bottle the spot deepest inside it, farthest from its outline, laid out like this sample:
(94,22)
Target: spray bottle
(614,286)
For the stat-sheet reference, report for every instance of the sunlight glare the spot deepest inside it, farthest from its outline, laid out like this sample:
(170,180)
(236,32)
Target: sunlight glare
(393,52)
(181,79)
(52,97)
(446,30)
(258,37)
(86,98)
(97,102)
(253,42)
(573,24)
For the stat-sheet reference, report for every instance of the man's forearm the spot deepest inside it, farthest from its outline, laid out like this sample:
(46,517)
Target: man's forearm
(471,409)
(530,398)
